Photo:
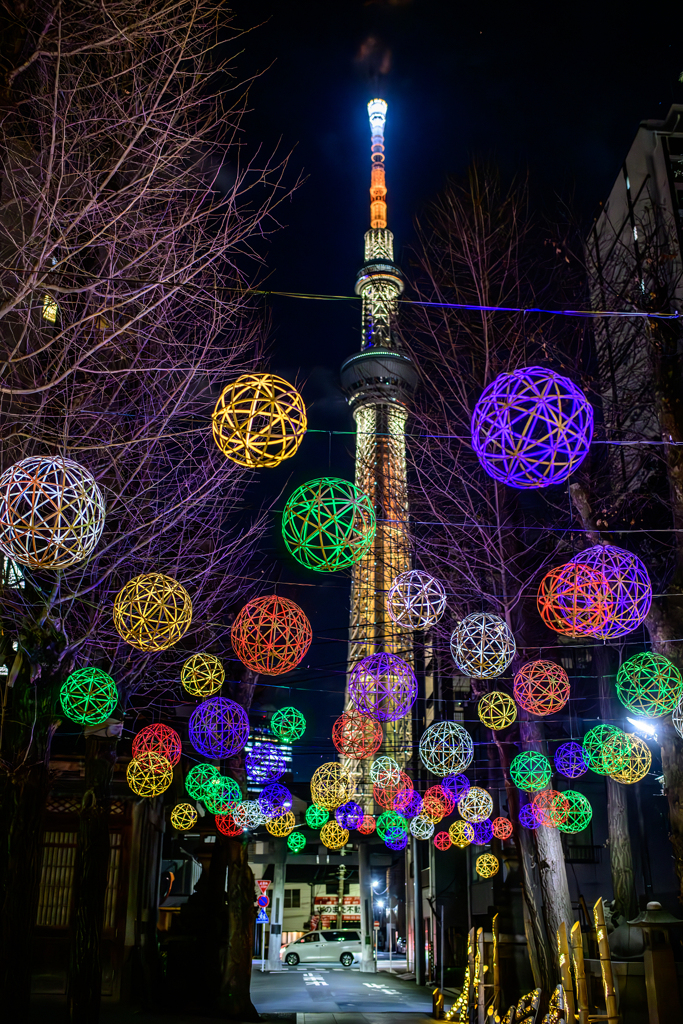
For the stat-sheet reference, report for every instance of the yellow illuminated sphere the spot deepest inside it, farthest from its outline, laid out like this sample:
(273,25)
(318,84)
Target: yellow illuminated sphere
(461,833)
(476,805)
(202,675)
(149,774)
(333,836)
(497,710)
(487,865)
(183,816)
(637,762)
(152,612)
(259,420)
(282,825)
(331,786)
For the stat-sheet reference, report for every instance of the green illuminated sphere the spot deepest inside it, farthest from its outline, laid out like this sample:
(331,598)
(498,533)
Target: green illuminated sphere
(88,696)
(198,778)
(580,812)
(288,724)
(328,524)
(221,795)
(649,684)
(296,842)
(594,743)
(316,816)
(390,819)
(530,771)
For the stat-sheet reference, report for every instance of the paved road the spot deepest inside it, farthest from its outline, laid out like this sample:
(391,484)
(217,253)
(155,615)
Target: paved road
(312,989)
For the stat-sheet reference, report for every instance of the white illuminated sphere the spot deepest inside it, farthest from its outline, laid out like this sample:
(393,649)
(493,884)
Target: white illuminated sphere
(446,748)
(482,645)
(677,718)
(385,772)
(476,805)
(416,600)
(421,828)
(248,814)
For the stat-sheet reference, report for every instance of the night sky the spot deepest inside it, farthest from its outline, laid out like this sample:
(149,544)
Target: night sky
(557,93)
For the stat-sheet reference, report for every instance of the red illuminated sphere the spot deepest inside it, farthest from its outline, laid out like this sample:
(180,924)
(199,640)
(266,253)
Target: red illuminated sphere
(161,739)
(502,828)
(575,600)
(356,735)
(550,807)
(225,823)
(385,795)
(442,841)
(367,825)
(437,802)
(541,687)
(271,635)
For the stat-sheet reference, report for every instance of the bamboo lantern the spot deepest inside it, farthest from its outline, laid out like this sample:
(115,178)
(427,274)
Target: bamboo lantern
(202,675)
(152,612)
(259,421)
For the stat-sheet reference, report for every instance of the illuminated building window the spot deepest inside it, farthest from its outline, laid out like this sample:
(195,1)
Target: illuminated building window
(50,309)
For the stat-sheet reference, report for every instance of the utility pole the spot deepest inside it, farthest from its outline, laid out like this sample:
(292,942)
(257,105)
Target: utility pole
(340,896)
(368,964)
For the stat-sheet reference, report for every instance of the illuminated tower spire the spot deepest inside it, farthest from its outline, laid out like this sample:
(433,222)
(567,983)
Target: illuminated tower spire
(379,381)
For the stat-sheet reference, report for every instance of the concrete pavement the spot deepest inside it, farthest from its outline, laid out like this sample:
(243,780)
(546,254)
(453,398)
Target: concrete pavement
(308,989)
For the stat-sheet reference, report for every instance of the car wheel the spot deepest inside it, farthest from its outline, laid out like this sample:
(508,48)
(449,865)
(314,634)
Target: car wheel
(346,959)
(292,959)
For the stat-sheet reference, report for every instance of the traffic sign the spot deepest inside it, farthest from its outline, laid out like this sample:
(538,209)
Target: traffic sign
(262,884)
(262,917)
(263,901)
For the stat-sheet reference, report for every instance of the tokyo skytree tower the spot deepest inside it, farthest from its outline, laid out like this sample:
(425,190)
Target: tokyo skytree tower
(379,381)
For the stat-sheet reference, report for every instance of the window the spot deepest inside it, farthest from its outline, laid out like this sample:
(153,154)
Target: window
(311,937)
(341,936)
(292,898)
(50,309)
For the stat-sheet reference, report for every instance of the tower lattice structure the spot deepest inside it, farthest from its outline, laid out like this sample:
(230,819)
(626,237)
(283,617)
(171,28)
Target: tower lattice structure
(379,381)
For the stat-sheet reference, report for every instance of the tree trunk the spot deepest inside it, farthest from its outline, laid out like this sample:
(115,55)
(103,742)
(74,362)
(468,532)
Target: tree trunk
(90,883)
(235,996)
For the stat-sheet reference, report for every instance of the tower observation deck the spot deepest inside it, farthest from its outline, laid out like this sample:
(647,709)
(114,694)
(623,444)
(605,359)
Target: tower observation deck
(378,382)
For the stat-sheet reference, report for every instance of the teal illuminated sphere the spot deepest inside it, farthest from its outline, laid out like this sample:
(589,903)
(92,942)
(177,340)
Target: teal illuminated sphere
(390,819)
(88,696)
(530,771)
(594,743)
(296,842)
(316,816)
(288,724)
(198,778)
(222,795)
(580,812)
(328,524)
(649,684)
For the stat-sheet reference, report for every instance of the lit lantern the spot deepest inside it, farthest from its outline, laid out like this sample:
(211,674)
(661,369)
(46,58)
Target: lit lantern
(482,645)
(384,771)
(575,600)
(383,686)
(183,817)
(442,841)
(248,815)
(275,799)
(569,760)
(226,824)
(396,838)
(296,842)
(483,832)
(461,834)
(317,816)
(160,738)
(476,805)
(501,828)
(218,728)
(649,684)
(328,524)
(271,635)
(629,583)
(281,825)
(198,778)
(408,803)
(677,718)
(333,836)
(416,600)
(389,819)
(486,865)
(357,735)
(259,420)
(386,795)
(550,807)
(422,827)
(331,786)
(541,687)
(222,795)
(579,815)
(367,825)
(152,612)
(446,748)
(349,815)
(457,785)
(88,696)
(633,763)
(437,803)
(288,724)
(528,818)
(497,710)
(150,774)
(202,675)
(264,763)
(530,771)
(594,743)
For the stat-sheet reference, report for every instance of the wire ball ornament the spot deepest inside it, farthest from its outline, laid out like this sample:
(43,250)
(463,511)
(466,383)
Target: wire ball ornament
(51,513)
(218,728)
(422,827)
(333,836)
(629,583)
(202,675)
(357,735)
(160,738)
(446,748)
(383,686)
(389,819)
(569,760)
(527,817)
(296,842)
(331,786)
(579,815)
(222,795)
(575,600)
(288,724)
(416,600)
(152,612)
(227,826)
(317,816)
(248,815)
(456,785)
(150,774)
(259,421)
(349,815)
(637,762)
(486,865)
(482,645)
(367,825)
(649,684)
(183,817)
(88,696)
(437,803)
(530,771)
(497,710)
(461,834)
(328,524)
(541,687)
(442,841)
(594,743)
(281,825)
(275,799)
(384,771)
(501,828)
(550,807)
(386,796)
(531,428)
(475,805)
(198,778)
(677,718)
(264,763)
(396,838)
(271,635)
(407,802)
(483,832)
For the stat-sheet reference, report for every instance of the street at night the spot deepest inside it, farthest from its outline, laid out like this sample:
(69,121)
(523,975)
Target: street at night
(321,989)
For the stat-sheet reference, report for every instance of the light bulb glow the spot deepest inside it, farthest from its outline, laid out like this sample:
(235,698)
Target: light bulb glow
(646,728)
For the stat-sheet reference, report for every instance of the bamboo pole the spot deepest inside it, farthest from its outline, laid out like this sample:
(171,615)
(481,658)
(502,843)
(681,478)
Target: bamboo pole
(565,971)
(579,974)
(605,964)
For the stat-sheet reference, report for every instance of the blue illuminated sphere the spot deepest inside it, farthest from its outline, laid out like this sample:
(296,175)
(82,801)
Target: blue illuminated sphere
(629,584)
(396,838)
(456,785)
(274,800)
(407,802)
(483,832)
(218,728)
(264,763)
(531,428)
(349,815)
(527,817)
(569,760)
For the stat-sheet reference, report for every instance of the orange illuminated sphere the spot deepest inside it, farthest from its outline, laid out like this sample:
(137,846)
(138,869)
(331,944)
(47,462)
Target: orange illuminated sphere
(356,735)
(551,808)
(575,600)
(541,687)
(502,828)
(162,739)
(385,795)
(271,635)
(437,803)
(367,825)
(225,823)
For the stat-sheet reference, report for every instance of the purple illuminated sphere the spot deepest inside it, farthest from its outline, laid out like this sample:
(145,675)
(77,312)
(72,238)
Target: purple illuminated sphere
(629,582)
(218,728)
(396,838)
(349,815)
(527,817)
(569,760)
(531,428)
(456,785)
(483,832)
(383,686)
(275,800)
(264,763)
(408,803)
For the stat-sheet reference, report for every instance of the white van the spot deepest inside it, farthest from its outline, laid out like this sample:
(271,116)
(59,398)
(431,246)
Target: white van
(341,947)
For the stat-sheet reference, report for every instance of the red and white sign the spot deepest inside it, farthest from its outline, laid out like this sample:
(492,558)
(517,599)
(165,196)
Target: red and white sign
(262,883)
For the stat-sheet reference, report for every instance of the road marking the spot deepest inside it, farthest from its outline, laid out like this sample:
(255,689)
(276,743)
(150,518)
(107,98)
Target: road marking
(313,979)
(381,988)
